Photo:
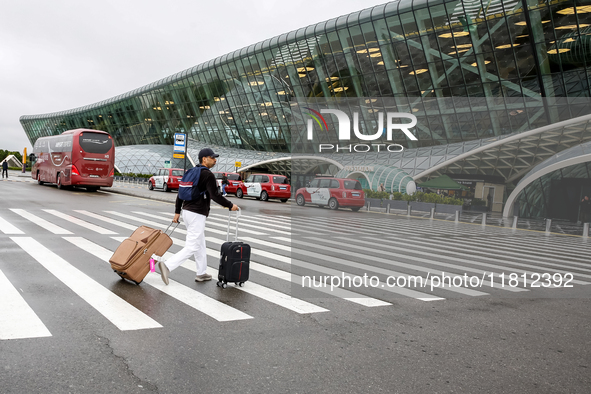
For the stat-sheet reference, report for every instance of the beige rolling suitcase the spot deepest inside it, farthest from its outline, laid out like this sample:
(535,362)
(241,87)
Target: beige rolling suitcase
(131,260)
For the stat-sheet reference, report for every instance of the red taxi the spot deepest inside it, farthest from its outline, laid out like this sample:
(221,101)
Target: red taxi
(233,181)
(166,179)
(264,187)
(334,192)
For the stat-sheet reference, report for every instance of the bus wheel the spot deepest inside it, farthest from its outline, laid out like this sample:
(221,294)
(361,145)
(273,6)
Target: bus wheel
(59,183)
(39,181)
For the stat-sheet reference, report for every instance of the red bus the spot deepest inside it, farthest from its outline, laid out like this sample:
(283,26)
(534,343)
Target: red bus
(80,157)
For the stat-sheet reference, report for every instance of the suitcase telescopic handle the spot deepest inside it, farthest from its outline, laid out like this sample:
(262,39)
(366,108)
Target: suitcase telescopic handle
(174,228)
(238,213)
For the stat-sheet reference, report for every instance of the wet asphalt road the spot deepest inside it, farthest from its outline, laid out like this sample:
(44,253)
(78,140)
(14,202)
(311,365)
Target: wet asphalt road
(534,341)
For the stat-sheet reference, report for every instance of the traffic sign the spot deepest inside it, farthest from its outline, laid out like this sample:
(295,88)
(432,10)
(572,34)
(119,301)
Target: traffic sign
(179,142)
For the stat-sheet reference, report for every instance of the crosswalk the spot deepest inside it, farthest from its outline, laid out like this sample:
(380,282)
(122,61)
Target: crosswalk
(298,262)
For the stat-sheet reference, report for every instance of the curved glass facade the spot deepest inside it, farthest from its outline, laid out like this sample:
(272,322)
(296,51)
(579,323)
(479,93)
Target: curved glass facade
(556,194)
(523,50)
(393,179)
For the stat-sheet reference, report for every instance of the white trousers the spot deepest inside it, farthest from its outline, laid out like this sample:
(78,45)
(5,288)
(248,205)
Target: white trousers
(194,244)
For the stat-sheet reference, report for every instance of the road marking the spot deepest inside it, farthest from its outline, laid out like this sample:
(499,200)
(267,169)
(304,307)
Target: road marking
(275,297)
(213,308)
(336,292)
(17,318)
(369,268)
(158,225)
(209,306)
(7,228)
(107,219)
(82,223)
(537,268)
(40,222)
(115,309)
(244,222)
(262,253)
(269,244)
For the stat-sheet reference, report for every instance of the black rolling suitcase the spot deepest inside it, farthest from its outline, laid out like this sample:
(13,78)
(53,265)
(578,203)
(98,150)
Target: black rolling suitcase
(234,259)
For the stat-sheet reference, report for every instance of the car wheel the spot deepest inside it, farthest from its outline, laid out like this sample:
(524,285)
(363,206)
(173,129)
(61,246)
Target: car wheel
(333,204)
(284,199)
(165,188)
(39,181)
(356,209)
(150,186)
(300,200)
(239,193)
(264,196)
(92,188)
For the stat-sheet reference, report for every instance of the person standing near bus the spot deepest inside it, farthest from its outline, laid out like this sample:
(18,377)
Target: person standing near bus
(5,169)
(194,214)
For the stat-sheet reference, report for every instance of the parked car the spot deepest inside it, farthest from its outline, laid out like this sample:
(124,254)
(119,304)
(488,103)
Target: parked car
(233,181)
(264,187)
(332,192)
(166,179)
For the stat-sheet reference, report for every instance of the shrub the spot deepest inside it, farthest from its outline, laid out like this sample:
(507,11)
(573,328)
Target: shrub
(418,196)
(478,202)
(397,196)
(452,201)
(373,194)
(134,175)
(408,197)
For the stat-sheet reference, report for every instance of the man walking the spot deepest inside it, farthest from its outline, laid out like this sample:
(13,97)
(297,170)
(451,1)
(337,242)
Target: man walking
(194,214)
(5,169)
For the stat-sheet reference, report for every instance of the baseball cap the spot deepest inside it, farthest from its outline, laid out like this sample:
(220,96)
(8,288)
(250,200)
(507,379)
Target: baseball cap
(206,152)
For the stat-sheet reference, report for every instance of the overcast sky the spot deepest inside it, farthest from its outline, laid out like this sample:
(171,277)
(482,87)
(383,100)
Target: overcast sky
(62,54)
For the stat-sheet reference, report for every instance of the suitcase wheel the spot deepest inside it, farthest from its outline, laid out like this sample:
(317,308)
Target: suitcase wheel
(241,284)
(222,284)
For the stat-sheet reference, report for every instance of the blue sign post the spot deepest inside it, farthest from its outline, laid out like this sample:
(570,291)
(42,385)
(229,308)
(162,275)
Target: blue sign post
(180,147)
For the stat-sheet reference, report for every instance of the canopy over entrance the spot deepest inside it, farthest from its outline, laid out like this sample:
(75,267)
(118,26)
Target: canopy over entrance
(443,182)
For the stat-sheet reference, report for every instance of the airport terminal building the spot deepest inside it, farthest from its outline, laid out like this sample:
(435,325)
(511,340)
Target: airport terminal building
(500,91)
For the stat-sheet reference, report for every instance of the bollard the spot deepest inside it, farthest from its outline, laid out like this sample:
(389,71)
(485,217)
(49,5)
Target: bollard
(457,216)
(432,213)
(388,209)
(408,210)
(585,230)
(368,205)
(548,225)
(515,221)
(484,219)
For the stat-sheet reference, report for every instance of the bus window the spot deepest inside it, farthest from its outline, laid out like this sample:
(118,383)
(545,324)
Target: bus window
(95,142)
